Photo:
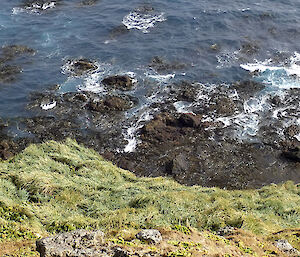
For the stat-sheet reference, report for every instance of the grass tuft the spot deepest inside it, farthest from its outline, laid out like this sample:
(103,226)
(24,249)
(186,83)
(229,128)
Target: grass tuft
(55,187)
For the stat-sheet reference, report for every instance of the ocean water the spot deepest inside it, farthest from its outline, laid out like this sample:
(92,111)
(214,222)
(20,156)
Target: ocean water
(218,41)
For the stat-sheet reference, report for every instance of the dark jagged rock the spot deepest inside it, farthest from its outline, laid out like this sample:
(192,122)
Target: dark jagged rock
(5,150)
(161,65)
(111,103)
(249,48)
(10,52)
(121,82)
(8,73)
(190,120)
(80,67)
(247,88)
(292,154)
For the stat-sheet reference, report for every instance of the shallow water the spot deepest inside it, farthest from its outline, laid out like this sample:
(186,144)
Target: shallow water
(218,41)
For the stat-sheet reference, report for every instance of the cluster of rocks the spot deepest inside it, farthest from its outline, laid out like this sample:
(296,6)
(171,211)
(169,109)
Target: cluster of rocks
(92,243)
(80,243)
(9,53)
(193,147)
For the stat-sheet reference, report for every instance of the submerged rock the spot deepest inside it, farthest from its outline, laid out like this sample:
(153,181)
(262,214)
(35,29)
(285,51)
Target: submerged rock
(249,48)
(121,82)
(10,52)
(118,31)
(161,65)
(8,73)
(247,88)
(89,2)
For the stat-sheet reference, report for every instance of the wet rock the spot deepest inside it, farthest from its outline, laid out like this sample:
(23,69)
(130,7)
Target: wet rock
(287,248)
(224,106)
(121,82)
(247,88)
(10,52)
(292,154)
(161,65)
(190,120)
(249,48)
(183,91)
(163,128)
(151,236)
(80,67)
(8,73)
(111,103)
(118,31)
(76,243)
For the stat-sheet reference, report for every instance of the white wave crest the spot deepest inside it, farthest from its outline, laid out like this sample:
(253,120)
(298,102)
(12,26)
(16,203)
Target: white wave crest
(35,7)
(143,22)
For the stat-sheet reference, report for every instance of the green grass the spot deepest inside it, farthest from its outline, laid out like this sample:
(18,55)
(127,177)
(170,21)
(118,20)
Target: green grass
(56,187)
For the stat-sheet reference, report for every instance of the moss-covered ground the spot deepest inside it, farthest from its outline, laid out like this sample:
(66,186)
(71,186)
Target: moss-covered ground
(55,187)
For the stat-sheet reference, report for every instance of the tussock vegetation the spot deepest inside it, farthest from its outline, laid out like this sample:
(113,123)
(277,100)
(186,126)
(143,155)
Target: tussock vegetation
(56,187)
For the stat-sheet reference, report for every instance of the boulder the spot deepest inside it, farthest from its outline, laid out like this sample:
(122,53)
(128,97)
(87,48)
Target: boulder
(151,236)
(287,248)
(121,82)
(76,243)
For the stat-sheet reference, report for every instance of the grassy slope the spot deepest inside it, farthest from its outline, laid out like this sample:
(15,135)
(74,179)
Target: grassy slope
(56,187)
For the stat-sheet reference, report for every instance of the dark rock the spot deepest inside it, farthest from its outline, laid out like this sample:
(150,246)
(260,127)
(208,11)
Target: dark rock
(6,150)
(12,51)
(292,154)
(249,48)
(190,120)
(111,103)
(8,73)
(121,82)
(118,31)
(161,65)
(224,105)
(80,67)
(247,88)
(184,91)
(73,244)
(119,252)
(151,236)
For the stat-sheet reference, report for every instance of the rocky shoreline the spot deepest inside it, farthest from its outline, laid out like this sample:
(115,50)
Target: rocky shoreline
(197,134)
